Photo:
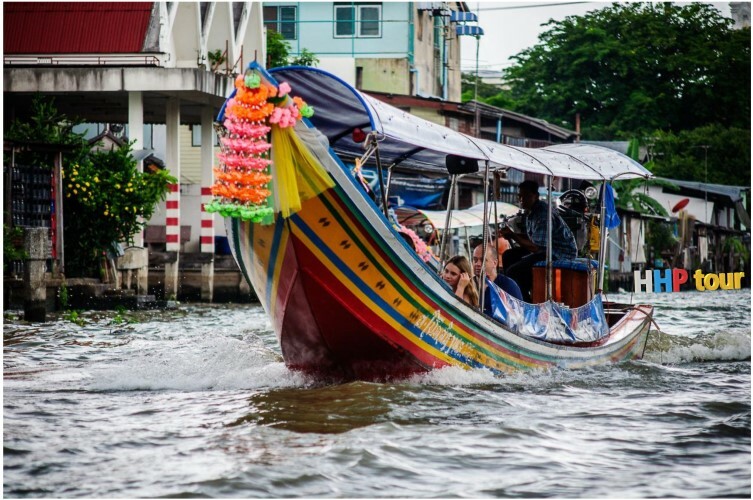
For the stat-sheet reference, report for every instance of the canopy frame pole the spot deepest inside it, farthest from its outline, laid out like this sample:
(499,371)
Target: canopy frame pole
(385,205)
(549,238)
(389,177)
(369,151)
(603,239)
(467,241)
(602,228)
(496,201)
(485,237)
(446,229)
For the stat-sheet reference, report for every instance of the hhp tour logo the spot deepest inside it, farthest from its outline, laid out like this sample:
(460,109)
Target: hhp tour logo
(671,279)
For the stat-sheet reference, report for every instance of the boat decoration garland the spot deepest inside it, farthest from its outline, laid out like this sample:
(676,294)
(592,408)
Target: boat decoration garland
(241,186)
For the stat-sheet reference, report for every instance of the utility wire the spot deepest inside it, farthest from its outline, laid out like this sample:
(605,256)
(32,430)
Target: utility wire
(532,6)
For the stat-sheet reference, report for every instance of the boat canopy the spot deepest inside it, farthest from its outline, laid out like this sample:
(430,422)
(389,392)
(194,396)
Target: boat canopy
(340,109)
(470,217)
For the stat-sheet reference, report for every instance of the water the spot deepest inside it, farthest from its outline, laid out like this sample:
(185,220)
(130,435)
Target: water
(196,402)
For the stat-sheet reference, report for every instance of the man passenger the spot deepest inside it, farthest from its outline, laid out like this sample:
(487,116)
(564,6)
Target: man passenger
(518,262)
(490,266)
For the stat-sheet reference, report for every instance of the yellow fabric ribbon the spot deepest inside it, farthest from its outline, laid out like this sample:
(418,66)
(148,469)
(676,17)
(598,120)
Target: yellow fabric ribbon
(297,174)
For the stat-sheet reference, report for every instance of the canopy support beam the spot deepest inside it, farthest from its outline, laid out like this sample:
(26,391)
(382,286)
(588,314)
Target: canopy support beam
(485,236)
(446,229)
(549,238)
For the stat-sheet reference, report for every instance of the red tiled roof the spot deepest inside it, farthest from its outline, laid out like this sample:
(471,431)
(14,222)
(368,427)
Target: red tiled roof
(74,27)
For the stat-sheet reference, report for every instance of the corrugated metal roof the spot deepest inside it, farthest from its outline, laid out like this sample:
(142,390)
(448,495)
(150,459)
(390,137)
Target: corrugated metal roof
(75,27)
(734,192)
(493,111)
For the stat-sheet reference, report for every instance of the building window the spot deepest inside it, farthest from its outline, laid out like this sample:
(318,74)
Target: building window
(359,20)
(282,19)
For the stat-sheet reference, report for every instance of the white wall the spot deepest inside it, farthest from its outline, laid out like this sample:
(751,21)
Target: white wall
(698,208)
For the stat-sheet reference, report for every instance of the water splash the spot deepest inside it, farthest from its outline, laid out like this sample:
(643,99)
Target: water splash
(728,345)
(213,363)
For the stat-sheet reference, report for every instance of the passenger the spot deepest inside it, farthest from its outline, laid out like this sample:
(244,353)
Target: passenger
(502,281)
(502,246)
(518,262)
(457,273)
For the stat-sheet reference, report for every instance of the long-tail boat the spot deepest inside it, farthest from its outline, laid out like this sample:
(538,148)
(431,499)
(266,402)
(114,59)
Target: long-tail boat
(347,296)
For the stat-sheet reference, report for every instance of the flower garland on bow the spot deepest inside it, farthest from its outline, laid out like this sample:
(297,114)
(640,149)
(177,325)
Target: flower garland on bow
(241,188)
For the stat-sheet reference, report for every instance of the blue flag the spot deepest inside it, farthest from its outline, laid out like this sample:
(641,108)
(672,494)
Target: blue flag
(611,219)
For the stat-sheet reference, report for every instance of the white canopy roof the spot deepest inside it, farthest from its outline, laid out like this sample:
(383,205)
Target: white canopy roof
(469,217)
(574,161)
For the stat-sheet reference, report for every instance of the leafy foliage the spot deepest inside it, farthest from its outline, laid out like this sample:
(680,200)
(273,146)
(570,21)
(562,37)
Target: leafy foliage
(629,196)
(106,198)
(305,58)
(278,53)
(12,246)
(485,90)
(634,68)
(111,201)
(735,245)
(216,58)
(711,153)
(47,126)
(659,238)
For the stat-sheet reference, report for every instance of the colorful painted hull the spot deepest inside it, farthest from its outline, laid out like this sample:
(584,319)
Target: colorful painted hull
(348,299)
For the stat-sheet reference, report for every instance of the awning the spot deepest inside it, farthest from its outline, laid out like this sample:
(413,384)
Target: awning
(469,30)
(457,16)
(340,109)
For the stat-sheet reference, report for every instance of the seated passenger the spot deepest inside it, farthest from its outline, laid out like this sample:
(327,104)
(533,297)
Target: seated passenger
(518,262)
(457,273)
(490,266)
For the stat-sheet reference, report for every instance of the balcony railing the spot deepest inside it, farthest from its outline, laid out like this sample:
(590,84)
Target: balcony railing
(82,60)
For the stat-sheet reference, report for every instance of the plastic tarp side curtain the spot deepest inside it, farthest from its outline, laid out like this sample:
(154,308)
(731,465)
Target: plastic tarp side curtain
(340,109)
(549,321)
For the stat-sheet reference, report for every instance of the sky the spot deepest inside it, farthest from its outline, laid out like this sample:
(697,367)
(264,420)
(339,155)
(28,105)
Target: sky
(510,27)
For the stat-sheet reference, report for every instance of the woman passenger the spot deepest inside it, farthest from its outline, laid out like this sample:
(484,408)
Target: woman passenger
(458,274)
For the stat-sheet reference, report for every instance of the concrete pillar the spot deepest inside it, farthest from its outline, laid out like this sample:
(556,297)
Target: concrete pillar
(172,220)
(136,133)
(35,289)
(207,218)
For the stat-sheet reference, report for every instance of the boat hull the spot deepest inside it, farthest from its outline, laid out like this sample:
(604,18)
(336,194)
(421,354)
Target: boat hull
(350,300)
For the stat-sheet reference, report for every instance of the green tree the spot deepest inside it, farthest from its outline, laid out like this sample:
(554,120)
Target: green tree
(45,125)
(711,153)
(107,200)
(278,50)
(305,58)
(278,53)
(468,88)
(630,196)
(633,68)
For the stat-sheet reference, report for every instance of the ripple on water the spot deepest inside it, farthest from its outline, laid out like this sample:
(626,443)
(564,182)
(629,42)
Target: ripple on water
(197,403)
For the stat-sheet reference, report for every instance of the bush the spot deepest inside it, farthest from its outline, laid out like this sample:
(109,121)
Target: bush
(107,200)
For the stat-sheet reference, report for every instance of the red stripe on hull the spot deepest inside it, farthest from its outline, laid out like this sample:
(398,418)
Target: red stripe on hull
(334,337)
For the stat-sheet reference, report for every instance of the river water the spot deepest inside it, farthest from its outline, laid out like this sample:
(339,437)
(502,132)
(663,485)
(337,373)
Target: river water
(196,402)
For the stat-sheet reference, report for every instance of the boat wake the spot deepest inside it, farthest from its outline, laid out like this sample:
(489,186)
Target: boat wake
(729,345)
(219,363)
